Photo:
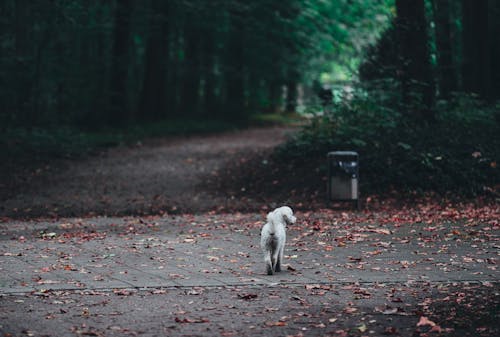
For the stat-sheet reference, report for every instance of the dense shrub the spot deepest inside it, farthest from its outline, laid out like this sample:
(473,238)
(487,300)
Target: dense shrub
(457,152)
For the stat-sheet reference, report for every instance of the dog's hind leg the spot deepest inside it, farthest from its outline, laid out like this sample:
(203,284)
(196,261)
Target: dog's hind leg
(279,259)
(269,264)
(276,260)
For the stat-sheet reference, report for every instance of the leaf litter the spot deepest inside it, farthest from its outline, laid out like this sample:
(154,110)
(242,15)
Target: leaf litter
(429,232)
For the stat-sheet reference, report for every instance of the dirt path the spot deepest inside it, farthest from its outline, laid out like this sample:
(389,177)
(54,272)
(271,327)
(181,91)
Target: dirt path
(155,177)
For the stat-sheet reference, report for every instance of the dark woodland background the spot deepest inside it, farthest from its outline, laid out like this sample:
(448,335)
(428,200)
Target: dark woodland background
(414,86)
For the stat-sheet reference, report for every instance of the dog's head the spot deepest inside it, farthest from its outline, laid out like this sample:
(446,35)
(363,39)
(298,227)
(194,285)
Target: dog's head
(283,215)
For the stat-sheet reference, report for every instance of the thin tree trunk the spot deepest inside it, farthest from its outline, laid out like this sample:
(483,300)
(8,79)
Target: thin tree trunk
(152,104)
(446,72)
(23,61)
(174,75)
(495,49)
(275,96)
(291,93)
(118,107)
(235,100)
(191,72)
(209,91)
(416,78)
(476,52)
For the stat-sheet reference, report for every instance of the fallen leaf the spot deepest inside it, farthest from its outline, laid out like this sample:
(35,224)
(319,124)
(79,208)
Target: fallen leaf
(188,320)
(350,310)
(362,328)
(279,323)
(436,328)
(341,333)
(425,321)
(247,297)
(390,331)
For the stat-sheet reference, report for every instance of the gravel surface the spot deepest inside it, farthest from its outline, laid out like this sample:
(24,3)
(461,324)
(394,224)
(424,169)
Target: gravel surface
(158,176)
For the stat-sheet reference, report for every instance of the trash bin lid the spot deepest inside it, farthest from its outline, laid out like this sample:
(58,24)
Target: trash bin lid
(342,154)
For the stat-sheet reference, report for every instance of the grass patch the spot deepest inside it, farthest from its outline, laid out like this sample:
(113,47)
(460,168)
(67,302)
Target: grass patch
(275,119)
(23,145)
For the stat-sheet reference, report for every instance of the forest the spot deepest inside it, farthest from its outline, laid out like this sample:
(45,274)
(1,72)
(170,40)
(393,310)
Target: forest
(147,148)
(413,86)
(97,63)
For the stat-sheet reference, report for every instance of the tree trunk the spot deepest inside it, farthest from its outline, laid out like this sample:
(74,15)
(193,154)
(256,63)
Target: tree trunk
(495,49)
(476,48)
(190,71)
(174,75)
(235,99)
(209,104)
(416,80)
(446,72)
(118,113)
(291,97)
(275,96)
(152,104)
(23,62)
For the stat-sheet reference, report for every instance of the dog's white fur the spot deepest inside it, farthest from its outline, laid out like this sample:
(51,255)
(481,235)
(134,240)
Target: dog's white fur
(273,237)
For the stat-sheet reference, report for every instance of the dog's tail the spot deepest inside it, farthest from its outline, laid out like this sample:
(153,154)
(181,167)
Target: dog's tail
(270,221)
(270,218)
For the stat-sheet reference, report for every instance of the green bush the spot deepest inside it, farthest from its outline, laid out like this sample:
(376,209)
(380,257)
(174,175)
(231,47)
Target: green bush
(457,152)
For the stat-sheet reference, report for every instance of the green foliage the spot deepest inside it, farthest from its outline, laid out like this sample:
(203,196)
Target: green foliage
(407,138)
(25,145)
(381,59)
(108,63)
(457,153)
(274,119)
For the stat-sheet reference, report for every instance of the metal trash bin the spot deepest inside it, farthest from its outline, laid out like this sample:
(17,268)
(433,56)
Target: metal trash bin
(343,175)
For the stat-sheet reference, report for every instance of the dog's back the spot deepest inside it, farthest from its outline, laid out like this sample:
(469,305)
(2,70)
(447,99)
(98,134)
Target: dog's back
(273,237)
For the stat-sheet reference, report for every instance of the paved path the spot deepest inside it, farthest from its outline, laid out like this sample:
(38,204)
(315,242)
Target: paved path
(203,275)
(216,250)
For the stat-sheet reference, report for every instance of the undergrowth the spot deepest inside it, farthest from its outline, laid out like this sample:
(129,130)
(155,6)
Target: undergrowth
(457,152)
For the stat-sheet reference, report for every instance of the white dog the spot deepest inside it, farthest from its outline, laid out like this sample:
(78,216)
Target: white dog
(273,237)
